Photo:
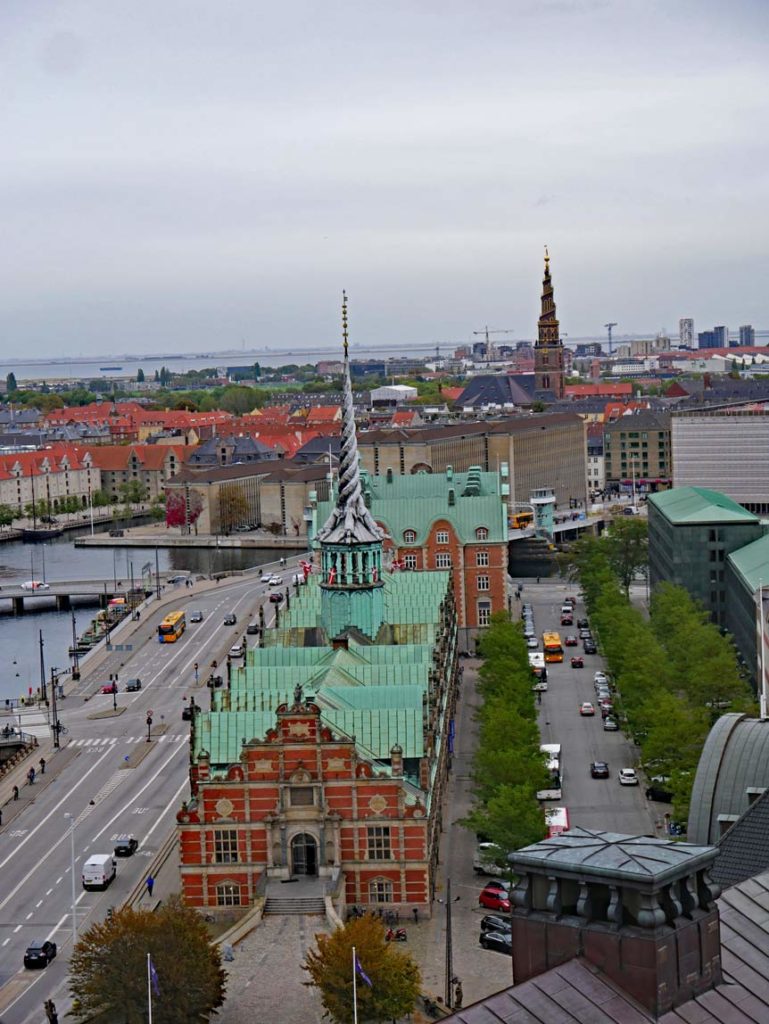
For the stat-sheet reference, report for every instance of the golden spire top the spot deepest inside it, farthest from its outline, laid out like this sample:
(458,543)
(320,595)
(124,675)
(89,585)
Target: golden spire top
(547,256)
(344,323)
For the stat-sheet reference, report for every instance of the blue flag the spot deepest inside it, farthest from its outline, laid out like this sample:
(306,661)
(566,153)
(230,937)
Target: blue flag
(154,978)
(359,970)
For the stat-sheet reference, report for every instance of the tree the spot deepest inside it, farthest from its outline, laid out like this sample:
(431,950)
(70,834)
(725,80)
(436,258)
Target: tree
(100,498)
(393,973)
(627,548)
(140,376)
(511,819)
(11,386)
(108,969)
(183,507)
(7,515)
(132,492)
(239,399)
(234,506)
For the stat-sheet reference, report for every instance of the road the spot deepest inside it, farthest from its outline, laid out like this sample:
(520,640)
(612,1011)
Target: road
(114,782)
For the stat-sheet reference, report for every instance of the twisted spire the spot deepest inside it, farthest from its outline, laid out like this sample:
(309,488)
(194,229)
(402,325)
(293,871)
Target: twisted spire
(548,326)
(350,521)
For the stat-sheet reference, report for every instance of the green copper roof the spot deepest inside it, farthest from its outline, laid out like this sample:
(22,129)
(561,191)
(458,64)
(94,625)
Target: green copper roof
(467,500)
(699,505)
(222,733)
(752,562)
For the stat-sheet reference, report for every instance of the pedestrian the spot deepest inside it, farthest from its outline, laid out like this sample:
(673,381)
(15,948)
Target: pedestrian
(458,996)
(415,912)
(15,792)
(1,817)
(150,884)
(42,766)
(31,776)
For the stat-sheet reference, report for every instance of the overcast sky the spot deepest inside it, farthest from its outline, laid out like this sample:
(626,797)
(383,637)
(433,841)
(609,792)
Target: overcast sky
(179,175)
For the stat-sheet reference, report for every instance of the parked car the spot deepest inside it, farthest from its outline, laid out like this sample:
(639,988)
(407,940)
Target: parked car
(252,629)
(585,633)
(600,677)
(589,647)
(133,685)
(276,597)
(599,770)
(492,923)
(610,725)
(662,796)
(493,898)
(196,616)
(627,776)
(502,942)
(230,619)
(532,643)
(578,662)
(570,640)
(583,624)
(39,954)
(126,847)
(586,709)
(35,585)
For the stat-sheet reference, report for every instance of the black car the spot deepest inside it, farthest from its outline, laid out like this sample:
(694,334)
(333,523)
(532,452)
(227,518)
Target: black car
(126,847)
(252,629)
(582,624)
(662,796)
(133,685)
(599,770)
(230,619)
(589,647)
(493,923)
(39,954)
(502,942)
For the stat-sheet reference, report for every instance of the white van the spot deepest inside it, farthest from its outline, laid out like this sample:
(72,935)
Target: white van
(98,871)
(486,857)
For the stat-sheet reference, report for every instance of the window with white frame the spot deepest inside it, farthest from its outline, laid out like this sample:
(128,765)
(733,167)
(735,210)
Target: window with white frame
(483,582)
(442,537)
(409,536)
(226,846)
(379,842)
(481,558)
(228,894)
(409,561)
(380,890)
(484,613)
(481,533)
(443,560)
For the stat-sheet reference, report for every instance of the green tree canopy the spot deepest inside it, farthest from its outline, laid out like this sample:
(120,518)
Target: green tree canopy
(108,968)
(11,386)
(393,973)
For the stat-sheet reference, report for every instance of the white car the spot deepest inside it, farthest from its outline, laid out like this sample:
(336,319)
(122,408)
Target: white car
(34,585)
(532,643)
(600,677)
(627,777)
(237,651)
(275,581)
(265,577)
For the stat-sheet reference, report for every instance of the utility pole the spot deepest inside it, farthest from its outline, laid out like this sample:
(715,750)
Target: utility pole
(54,710)
(75,655)
(43,694)
(448,994)
(609,328)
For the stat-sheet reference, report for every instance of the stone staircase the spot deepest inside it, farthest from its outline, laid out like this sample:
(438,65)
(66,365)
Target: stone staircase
(297,905)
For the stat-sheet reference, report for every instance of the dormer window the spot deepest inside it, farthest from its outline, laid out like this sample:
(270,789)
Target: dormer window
(481,533)
(410,536)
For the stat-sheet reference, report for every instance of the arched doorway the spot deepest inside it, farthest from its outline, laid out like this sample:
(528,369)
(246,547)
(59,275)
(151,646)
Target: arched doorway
(304,854)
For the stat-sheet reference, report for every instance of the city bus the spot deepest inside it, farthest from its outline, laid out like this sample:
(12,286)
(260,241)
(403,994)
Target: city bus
(171,628)
(521,520)
(551,645)
(554,765)
(557,821)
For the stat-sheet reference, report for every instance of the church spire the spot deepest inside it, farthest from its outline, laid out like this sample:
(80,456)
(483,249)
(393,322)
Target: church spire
(548,352)
(350,521)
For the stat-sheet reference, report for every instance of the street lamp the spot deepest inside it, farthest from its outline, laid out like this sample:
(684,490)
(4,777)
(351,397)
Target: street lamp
(114,693)
(450,979)
(71,819)
(149,726)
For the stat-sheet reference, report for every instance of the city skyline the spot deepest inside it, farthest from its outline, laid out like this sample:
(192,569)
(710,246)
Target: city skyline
(185,180)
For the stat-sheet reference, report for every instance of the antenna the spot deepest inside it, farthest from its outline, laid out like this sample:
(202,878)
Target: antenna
(608,328)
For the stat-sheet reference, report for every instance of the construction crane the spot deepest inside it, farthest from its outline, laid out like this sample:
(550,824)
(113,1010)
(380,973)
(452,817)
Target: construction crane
(608,328)
(486,332)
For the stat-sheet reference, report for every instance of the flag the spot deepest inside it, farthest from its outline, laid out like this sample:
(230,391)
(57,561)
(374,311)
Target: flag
(332,574)
(361,973)
(375,575)
(154,978)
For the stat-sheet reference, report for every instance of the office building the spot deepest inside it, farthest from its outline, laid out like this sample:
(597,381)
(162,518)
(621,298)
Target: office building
(637,450)
(686,332)
(747,335)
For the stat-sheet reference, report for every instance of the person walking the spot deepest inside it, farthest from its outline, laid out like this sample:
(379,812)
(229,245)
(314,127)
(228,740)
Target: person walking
(458,996)
(150,884)
(15,792)
(31,776)
(42,765)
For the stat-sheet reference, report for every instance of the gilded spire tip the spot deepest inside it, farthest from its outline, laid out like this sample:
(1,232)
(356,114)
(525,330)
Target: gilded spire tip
(547,255)
(345,335)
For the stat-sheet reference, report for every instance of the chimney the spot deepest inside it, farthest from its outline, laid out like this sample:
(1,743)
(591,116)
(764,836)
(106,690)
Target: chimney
(640,909)
(396,760)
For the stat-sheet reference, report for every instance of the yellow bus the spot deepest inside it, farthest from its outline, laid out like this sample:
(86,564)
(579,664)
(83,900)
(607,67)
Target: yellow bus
(172,627)
(551,645)
(521,520)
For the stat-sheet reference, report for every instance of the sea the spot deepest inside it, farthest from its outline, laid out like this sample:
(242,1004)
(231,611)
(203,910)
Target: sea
(127,366)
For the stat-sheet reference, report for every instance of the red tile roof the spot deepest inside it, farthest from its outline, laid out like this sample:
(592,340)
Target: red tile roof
(598,390)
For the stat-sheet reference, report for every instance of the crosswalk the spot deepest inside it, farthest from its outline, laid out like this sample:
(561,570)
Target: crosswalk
(99,742)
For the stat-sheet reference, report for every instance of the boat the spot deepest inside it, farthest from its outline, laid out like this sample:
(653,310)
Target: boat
(40,534)
(105,369)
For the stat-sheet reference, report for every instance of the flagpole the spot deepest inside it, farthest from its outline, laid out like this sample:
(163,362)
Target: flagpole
(149,988)
(354,990)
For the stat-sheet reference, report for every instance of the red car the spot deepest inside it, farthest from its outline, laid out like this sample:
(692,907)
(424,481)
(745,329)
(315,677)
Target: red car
(570,641)
(578,662)
(493,898)
(109,688)
(567,620)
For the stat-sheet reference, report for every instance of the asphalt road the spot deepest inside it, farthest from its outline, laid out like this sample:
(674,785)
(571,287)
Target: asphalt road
(114,783)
